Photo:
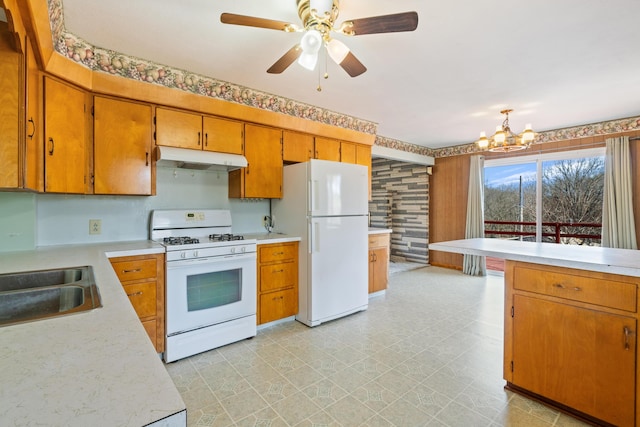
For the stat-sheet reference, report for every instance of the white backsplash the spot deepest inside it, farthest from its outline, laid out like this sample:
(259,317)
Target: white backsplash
(64,219)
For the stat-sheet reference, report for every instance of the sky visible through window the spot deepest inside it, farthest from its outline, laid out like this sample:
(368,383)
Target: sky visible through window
(509,175)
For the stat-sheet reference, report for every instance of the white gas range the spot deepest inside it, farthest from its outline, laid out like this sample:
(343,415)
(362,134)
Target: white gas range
(210,280)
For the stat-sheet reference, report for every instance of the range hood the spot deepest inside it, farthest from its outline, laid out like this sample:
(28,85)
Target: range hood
(197,159)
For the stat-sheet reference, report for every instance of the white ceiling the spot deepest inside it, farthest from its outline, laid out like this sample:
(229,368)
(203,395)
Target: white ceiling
(558,63)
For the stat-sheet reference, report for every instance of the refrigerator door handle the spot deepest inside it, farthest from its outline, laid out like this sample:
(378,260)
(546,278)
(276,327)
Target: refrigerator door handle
(313,237)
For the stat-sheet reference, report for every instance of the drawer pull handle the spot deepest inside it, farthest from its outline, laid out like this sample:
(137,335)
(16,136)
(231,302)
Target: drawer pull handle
(278,253)
(277,298)
(135,294)
(278,271)
(135,270)
(627,334)
(561,286)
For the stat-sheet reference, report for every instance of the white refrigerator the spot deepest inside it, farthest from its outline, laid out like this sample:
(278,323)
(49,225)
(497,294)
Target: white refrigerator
(326,204)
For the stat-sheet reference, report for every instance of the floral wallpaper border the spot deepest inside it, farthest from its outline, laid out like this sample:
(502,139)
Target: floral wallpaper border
(108,61)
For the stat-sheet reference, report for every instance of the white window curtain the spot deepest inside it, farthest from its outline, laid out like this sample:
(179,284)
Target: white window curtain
(475,265)
(618,226)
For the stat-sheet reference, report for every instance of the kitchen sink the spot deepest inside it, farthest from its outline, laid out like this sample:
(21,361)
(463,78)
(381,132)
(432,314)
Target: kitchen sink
(36,295)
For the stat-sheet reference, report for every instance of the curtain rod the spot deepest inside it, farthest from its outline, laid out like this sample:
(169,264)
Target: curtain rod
(635,138)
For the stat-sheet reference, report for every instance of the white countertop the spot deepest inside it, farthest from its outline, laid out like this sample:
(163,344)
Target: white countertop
(377,230)
(95,368)
(607,260)
(268,238)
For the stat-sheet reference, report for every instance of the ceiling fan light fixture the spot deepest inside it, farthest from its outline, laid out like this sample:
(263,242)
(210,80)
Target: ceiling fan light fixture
(337,50)
(322,7)
(311,42)
(308,60)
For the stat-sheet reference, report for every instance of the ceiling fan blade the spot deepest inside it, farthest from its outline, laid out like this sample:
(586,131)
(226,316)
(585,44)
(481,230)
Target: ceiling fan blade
(285,60)
(397,22)
(352,65)
(252,21)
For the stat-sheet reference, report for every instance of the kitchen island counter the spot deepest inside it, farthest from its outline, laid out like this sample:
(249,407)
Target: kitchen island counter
(605,260)
(95,368)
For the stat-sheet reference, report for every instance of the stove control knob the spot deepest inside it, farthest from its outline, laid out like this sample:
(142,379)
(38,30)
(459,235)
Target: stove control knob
(243,249)
(195,254)
(183,255)
(233,250)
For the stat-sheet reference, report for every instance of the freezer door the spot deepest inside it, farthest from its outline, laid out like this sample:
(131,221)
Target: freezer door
(337,188)
(338,267)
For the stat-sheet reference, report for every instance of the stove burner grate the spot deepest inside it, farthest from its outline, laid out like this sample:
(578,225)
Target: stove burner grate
(225,237)
(183,240)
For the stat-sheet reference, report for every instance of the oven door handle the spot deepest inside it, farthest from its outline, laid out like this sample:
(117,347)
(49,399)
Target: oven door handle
(210,260)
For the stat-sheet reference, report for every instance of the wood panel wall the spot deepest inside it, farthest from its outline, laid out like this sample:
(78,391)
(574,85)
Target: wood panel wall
(450,180)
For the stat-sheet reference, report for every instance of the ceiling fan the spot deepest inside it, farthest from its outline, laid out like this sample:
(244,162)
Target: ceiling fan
(318,21)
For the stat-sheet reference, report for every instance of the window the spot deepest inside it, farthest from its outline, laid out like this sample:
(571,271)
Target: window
(555,197)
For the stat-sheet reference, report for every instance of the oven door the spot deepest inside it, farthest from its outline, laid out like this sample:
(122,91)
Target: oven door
(207,291)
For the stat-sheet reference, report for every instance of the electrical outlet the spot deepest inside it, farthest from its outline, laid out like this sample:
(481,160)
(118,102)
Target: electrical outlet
(95,226)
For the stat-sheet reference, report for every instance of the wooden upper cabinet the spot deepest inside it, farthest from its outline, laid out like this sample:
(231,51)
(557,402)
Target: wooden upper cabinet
(262,178)
(10,101)
(348,152)
(297,147)
(178,129)
(122,147)
(222,135)
(34,161)
(327,149)
(65,137)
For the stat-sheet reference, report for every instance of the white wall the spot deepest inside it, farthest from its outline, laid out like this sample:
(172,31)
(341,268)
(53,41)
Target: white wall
(64,219)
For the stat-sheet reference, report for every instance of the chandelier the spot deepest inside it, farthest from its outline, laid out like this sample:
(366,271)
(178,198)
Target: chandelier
(504,140)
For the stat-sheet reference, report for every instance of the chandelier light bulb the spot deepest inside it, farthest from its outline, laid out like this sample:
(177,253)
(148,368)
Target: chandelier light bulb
(483,142)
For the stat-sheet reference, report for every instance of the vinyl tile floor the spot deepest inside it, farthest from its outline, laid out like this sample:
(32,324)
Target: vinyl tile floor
(426,353)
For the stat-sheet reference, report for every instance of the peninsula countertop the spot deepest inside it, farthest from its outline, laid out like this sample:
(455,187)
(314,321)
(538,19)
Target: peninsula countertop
(606,260)
(94,368)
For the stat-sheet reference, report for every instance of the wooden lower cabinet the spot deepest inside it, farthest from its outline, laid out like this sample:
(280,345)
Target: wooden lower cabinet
(277,281)
(142,278)
(378,262)
(570,338)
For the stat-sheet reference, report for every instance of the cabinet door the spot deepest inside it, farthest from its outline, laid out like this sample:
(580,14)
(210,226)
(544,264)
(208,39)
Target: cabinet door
(263,150)
(34,162)
(327,149)
(225,136)
(178,129)
(347,152)
(296,147)
(581,358)
(10,103)
(379,265)
(122,147)
(65,138)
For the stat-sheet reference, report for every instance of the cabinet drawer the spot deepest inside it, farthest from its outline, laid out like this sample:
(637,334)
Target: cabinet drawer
(143,298)
(135,270)
(377,240)
(595,289)
(270,253)
(278,305)
(277,276)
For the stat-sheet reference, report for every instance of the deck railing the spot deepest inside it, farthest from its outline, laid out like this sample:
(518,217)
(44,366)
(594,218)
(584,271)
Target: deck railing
(551,231)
